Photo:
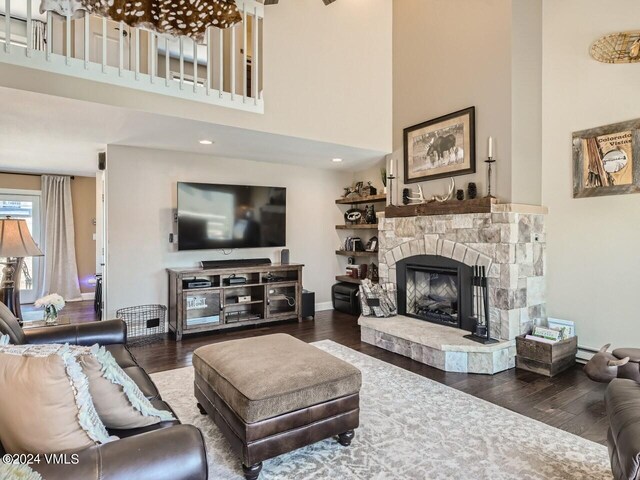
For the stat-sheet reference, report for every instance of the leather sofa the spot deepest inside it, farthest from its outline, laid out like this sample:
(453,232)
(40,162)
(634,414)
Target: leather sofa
(622,401)
(167,450)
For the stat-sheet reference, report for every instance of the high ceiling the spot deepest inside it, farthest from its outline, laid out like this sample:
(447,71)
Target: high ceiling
(41,133)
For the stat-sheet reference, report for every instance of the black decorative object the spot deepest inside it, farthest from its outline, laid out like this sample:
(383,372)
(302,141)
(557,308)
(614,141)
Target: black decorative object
(472,190)
(353,216)
(370,215)
(489,161)
(480,307)
(369,190)
(405,196)
(372,273)
(460,194)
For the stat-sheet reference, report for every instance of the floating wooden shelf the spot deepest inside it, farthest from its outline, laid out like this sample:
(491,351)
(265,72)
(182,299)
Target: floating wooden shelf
(348,279)
(381,197)
(366,226)
(347,253)
(477,205)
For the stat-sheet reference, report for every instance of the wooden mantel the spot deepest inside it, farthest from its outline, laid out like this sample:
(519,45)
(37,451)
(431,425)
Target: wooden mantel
(477,205)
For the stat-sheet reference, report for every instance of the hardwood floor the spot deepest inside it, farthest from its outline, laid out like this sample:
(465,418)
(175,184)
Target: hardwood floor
(569,401)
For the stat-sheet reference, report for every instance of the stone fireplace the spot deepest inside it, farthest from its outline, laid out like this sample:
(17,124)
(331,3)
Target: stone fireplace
(431,256)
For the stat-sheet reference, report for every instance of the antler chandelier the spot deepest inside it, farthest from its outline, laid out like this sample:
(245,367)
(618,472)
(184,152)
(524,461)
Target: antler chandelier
(175,17)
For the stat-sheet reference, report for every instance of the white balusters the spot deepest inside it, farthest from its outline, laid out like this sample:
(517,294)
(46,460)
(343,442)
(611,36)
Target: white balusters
(87,32)
(29,29)
(244,52)
(195,67)
(49,39)
(181,63)
(221,61)
(232,62)
(254,57)
(7,26)
(67,43)
(207,36)
(167,58)
(137,53)
(121,48)
(153,54)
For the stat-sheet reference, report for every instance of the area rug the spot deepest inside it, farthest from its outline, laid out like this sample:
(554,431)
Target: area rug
(410,428)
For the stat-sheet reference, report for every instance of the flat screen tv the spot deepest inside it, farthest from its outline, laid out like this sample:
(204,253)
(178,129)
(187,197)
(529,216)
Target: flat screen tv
(214,216)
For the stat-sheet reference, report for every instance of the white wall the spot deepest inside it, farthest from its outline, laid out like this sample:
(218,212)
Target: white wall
(141,196)
(593,259)
(327,77)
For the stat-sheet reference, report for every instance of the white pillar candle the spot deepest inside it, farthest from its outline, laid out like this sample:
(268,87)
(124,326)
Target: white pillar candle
(391,167)
(490,147)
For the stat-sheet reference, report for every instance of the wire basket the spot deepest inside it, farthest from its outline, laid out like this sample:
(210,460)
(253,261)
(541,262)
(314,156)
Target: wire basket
(145,323)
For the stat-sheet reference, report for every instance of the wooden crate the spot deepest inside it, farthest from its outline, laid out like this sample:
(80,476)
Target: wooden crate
(545,358)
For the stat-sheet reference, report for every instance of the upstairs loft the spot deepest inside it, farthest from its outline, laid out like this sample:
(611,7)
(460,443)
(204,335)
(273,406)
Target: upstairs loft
(226,70)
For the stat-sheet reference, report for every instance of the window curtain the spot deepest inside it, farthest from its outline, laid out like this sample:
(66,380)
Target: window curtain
(38,35)
(60,268)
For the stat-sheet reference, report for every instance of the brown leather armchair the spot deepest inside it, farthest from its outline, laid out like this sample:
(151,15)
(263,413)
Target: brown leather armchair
(622,401)
(166,451)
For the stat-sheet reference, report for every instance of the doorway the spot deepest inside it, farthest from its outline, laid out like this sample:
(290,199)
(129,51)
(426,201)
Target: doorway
(25,204)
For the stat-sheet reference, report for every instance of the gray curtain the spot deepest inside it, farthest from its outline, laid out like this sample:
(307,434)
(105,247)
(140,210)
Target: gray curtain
(60,268)
(38,35)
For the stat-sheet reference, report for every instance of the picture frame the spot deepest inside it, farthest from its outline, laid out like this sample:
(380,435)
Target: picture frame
(567,328)
(606,160)
(440,148)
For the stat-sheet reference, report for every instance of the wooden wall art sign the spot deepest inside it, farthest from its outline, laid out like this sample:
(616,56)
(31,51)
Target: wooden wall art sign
(606,160)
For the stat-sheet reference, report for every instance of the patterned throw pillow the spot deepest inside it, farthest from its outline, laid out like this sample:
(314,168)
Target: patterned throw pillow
(16,471)
(45,404)
(117,398)
(4,339)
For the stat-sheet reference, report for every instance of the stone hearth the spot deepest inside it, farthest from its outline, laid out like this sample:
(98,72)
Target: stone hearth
(509,242)
(437,345)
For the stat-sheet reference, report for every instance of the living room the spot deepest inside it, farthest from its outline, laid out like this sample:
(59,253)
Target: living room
(381,240)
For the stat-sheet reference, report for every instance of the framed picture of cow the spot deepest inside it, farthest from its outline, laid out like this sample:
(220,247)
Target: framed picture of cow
(440,148)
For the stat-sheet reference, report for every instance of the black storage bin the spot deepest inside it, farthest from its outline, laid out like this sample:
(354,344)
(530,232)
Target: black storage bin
(345,298)
(308,304)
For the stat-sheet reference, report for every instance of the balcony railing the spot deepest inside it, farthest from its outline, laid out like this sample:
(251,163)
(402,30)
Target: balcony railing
(226,70)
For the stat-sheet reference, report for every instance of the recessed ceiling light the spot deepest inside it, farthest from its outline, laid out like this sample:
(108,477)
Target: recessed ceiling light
(206,142)
(336,160)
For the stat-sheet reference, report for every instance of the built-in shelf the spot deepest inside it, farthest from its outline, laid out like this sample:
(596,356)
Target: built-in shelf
(237,304)
(347,253)
(381,197)
(364,226)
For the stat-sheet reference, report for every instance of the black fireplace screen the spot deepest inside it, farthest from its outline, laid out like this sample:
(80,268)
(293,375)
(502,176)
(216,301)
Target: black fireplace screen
(432,293)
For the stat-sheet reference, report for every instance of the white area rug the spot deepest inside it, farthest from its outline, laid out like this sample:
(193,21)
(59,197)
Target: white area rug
(410,428)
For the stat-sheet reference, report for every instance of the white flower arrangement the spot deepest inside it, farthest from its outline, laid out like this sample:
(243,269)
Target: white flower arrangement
(50,302)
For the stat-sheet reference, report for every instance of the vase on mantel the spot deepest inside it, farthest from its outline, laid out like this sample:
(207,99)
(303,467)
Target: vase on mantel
(50,315)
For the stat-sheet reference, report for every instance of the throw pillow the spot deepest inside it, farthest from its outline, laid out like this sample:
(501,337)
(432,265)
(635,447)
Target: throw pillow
(17,471)
(45,404)
(4,339)
(118,400)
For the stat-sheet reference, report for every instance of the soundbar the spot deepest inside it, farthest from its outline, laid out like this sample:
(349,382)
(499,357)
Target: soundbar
(246,262)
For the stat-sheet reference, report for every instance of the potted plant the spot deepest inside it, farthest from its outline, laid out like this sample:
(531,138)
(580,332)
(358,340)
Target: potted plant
(383,176)
(52,305)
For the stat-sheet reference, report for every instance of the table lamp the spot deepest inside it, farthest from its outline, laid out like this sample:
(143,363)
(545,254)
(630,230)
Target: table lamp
(15,243)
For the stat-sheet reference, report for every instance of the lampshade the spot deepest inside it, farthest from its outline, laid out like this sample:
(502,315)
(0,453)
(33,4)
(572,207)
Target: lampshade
(15,239)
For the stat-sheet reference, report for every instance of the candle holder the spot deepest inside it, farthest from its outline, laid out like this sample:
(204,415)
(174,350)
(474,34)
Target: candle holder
(489,161)
(391,178)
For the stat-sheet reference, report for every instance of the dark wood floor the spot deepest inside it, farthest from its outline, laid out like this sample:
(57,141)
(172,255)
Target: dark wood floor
(569,401)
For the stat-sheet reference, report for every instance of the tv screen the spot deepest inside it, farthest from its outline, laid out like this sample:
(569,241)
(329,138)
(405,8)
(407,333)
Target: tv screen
(230,216)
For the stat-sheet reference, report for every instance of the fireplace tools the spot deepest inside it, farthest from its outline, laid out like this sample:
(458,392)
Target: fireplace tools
(480,307)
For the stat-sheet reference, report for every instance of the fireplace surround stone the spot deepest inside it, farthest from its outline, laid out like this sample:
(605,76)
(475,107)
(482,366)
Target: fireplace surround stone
(509,241)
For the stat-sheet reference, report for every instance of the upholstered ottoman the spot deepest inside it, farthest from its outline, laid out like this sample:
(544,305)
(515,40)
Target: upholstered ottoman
(273,394)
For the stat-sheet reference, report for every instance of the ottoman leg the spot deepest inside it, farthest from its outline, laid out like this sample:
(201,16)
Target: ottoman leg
(201,408)
(252,472)
(345,438)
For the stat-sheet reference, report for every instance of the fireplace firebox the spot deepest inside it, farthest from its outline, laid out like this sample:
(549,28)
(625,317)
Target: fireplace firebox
(435,289)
